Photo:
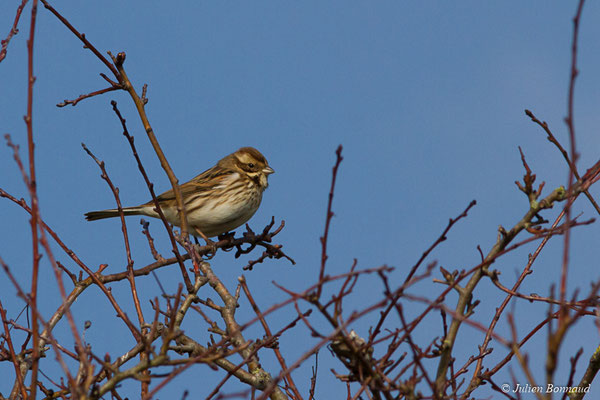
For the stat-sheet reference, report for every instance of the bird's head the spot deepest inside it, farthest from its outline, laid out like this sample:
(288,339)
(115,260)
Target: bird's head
(250,162)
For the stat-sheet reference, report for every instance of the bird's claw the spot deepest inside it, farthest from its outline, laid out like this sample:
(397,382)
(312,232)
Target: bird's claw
(209,243)
(213,249)
(206,253)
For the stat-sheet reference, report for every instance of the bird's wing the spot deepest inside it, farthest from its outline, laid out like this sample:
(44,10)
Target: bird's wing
(203,182)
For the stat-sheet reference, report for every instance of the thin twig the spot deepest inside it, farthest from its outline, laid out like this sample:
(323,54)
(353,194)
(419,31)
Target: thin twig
(66,102)
(150,186)
(329,215)
(268,332)
(34,204)
(13,31)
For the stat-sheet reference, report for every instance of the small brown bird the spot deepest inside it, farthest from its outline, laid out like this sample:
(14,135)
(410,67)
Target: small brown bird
(217,201)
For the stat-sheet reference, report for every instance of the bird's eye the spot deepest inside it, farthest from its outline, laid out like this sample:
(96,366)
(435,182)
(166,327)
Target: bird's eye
(251,165)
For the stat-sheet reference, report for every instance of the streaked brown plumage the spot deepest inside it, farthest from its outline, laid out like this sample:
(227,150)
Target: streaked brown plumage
(217,201)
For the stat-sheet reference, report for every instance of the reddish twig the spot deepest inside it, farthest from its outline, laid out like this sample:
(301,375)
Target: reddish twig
(552,139)
(150,185)
(439,240)
(476,380)
(288,379)
(416,356)
(13,31)
(573,362)
(520,357)
(118,61)
(34,204)
(271,251)
(13,356)
(573,153)
(66,102)
(146,231)
(130,275)
(313,379)
(329,215)
(87,44)
(46,335)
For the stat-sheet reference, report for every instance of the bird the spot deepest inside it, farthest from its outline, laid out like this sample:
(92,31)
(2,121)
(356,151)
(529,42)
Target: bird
(217,201)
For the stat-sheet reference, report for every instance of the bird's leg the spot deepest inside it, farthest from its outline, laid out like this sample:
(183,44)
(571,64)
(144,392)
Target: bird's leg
(213,245)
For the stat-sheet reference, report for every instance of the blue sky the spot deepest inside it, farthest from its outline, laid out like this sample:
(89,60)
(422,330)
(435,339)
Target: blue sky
(427,99)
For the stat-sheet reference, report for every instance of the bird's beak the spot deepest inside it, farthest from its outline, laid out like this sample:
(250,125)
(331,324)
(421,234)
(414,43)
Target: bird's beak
(268,171)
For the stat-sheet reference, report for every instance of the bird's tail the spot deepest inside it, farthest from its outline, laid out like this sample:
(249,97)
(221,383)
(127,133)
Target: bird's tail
(94,215)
